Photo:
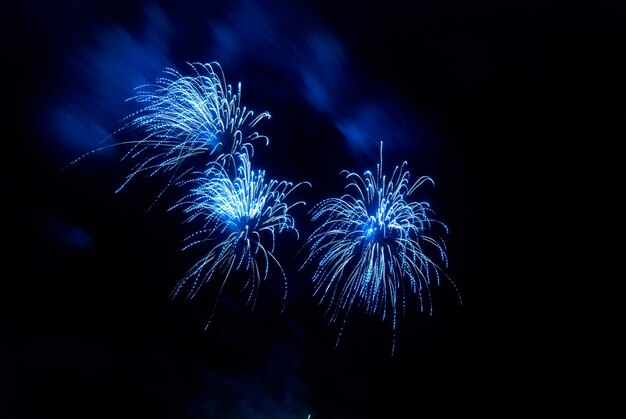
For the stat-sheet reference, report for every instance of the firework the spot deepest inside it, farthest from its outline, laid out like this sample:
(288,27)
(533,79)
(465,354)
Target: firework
(240,217)
(371,247)
(183,117)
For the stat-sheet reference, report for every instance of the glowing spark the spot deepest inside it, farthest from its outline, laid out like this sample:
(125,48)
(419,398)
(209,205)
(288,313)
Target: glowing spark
(182,117)
(370,249)
(241,216)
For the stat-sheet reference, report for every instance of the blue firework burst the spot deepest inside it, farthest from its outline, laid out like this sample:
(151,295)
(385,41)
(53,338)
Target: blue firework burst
(240,217)
(185,116)
(373,247)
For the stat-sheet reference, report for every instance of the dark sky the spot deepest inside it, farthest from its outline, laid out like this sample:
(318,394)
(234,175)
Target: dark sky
(463,91)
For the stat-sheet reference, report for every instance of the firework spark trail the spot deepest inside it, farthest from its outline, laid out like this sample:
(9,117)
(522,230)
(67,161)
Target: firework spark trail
(371,247)
(182,117)
(240,216)
(185,116)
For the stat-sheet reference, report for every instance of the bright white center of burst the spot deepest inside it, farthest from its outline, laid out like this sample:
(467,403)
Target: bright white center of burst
(375,228)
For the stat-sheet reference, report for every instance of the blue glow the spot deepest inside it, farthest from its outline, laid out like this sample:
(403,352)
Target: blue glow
(377,117)
(371,248)
(103,68)
(186,116)
(240,218)
(70,235)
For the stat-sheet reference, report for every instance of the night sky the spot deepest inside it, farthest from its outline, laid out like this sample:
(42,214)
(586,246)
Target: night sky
(460,90)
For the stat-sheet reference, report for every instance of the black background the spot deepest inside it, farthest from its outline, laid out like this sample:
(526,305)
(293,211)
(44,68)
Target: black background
(90,329)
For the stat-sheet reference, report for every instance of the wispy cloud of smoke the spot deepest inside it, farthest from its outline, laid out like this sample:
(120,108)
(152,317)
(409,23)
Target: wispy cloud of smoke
(279,49)
(271,390)
(297,45)
(103,70)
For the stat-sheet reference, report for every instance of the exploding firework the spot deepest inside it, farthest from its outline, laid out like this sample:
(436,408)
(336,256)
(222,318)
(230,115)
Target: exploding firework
(182,117)
(371,248)
(240,217)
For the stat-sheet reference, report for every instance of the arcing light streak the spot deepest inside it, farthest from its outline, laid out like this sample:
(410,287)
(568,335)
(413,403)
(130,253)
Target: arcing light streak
(370,249)
(186,116)
(240,217)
